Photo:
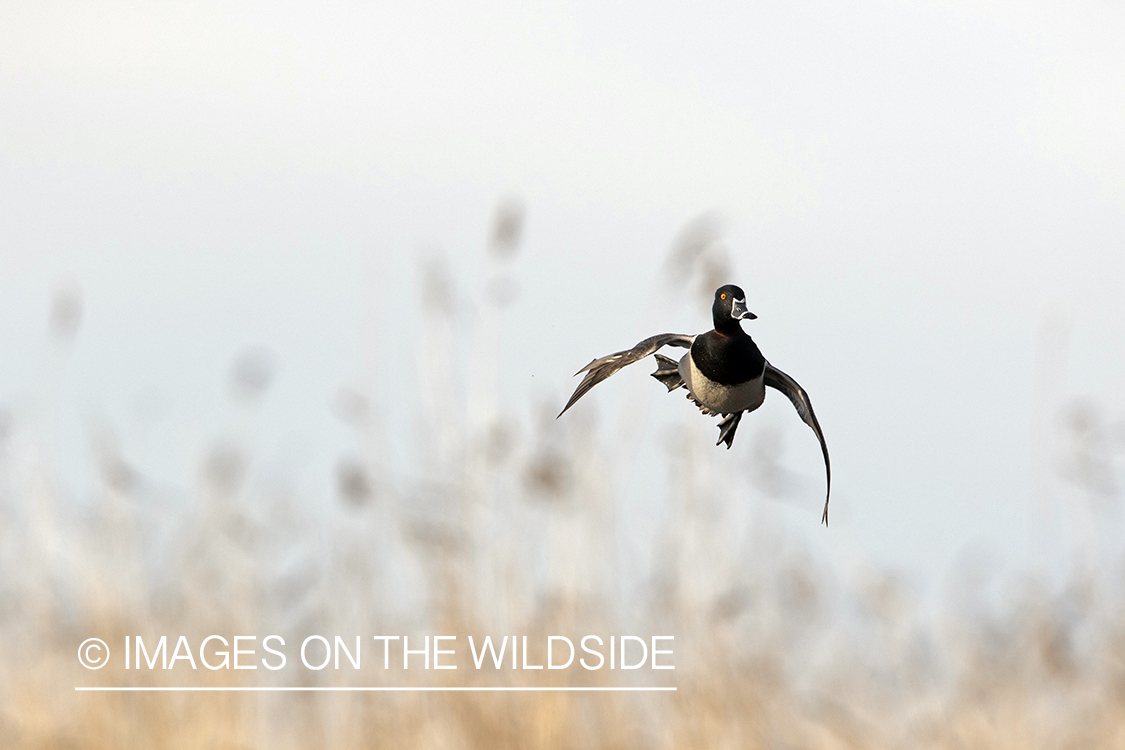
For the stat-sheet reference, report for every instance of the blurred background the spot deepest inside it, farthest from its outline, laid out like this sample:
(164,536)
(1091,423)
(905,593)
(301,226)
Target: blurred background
(290,297)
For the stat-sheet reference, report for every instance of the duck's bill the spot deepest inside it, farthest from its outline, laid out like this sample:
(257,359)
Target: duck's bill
(738,311)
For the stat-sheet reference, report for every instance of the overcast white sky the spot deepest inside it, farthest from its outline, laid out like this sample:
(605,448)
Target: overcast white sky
(912,193)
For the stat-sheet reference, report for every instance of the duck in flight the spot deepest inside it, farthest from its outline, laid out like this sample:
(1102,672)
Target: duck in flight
(723,372)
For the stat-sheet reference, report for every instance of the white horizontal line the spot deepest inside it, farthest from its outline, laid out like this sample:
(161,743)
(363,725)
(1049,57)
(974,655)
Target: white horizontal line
(371,689)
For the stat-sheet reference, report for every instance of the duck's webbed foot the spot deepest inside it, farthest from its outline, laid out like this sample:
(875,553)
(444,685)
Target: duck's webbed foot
(668,372)
(727,427)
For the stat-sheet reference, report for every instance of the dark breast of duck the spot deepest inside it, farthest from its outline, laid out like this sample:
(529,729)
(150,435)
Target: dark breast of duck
(728,359)
(724,372)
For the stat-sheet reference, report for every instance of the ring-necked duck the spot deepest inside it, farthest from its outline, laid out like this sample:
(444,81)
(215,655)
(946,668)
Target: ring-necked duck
(723,372)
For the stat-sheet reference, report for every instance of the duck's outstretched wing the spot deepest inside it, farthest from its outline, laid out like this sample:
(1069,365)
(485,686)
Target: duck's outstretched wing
(602,368)
(775,378)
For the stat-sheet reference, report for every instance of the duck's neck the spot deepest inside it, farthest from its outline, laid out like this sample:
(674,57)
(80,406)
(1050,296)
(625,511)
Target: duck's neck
(728,326)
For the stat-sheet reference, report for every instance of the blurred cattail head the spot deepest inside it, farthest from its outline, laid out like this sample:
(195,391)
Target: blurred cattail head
(507,228)
(1087,450)
(439,292)
(66,311)
(224,468)
(352,407)
(698,258)
(116,473)
(251,374)
(354,483)
(548,475)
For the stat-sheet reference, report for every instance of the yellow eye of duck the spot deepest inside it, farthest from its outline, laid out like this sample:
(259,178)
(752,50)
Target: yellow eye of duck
(722,296)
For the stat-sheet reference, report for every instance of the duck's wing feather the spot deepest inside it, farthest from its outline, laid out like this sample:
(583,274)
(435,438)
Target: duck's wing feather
(775,378)
(602,368)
